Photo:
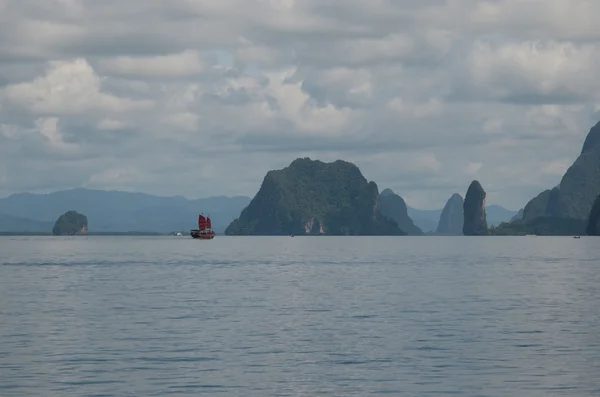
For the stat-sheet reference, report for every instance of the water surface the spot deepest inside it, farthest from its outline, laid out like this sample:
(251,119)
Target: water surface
(303,316)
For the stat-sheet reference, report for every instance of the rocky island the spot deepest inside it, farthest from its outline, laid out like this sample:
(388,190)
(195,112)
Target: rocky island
(70,223)
(475,223)
(310,197)
(394,207)
(567,208)
(578,188)
(452,217)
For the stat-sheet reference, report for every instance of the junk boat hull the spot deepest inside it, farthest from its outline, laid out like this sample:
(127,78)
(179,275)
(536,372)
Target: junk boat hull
(203,235)
(204,231)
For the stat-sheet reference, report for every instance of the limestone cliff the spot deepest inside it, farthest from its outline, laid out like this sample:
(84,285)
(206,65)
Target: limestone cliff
(518,216)
(394,207)
(452,217)
(315,198)
(474,220)
(593,225)
(578,188)
(70,223)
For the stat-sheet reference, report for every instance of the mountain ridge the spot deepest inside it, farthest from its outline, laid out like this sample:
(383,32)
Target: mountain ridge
(36,212)
(121,211)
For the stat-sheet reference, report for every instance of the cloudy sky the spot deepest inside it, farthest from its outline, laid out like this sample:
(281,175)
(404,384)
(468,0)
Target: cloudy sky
(203,97)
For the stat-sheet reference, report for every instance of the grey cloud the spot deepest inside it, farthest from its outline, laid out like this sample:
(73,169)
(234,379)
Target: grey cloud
(423,95)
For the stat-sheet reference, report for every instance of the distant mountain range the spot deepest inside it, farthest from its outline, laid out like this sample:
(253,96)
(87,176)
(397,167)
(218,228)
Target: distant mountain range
(16,224)
(427,220)
(116,211)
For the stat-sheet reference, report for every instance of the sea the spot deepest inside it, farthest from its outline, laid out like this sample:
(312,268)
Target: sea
(301,316)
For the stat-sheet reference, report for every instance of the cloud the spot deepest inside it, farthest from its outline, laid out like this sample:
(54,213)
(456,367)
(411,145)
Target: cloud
(473,168)
(55,140)
(187,63)
(68,88)
(535,72)
(110,125)
(202,97)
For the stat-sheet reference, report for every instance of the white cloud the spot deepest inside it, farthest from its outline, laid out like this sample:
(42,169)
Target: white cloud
(187,63)
(473,168)
(184,121)
(110,125)
(558,71)
(68,88)
(48,127)
(423,95)
(557,168)
(541,18)
(427,162)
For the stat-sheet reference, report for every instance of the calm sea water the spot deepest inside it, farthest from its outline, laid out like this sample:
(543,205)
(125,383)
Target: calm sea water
(303,316)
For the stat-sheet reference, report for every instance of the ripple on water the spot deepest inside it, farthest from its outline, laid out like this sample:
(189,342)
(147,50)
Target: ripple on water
(299,317)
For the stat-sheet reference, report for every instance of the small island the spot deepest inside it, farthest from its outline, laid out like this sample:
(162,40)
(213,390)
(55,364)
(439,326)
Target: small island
(71,223)
(394,207)
(474,216)
(310,197)
(452,217)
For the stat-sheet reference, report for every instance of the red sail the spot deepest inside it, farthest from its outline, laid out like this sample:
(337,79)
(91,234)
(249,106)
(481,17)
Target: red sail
(208,223)
(201,222)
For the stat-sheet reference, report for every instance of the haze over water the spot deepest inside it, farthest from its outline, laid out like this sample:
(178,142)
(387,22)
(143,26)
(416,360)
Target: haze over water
(304,316)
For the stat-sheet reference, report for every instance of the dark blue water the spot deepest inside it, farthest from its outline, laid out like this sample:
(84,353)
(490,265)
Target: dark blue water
(280,316)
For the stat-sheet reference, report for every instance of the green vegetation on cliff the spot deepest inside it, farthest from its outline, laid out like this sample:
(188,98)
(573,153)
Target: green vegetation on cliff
(70,223)
(394,207)
(311,198)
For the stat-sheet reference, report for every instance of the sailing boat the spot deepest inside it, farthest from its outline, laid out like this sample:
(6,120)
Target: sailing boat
(204,230)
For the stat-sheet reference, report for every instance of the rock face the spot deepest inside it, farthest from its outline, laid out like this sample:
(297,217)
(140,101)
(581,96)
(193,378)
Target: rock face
(544,205)
(518,216)
(70,223)
(312,198)
(475,223)
(578,188)
(118,211)
(593,225)
(394,207)
(452,217)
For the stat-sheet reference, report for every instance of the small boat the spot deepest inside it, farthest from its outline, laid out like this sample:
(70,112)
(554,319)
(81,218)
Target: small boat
(204,231)
(576,236)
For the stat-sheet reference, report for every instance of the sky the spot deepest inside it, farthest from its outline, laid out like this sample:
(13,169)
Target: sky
(203,97)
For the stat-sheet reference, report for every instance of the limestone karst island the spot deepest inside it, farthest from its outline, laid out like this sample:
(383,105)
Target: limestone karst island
(312,197)
(70,223)
(315,198)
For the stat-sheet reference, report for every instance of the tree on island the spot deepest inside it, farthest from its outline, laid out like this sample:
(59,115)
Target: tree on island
(70,223)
